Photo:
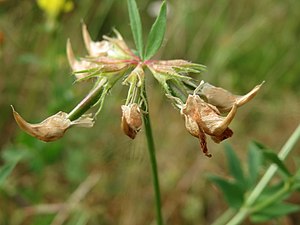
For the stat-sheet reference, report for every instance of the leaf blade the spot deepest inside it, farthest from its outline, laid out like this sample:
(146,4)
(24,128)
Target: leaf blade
(255,161)
(157,32)
(275,159)
(235,166)
(233,194)
(274,211)
(136,26)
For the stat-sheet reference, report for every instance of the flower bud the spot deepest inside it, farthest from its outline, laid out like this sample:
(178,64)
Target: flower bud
(52,128)
(131,119)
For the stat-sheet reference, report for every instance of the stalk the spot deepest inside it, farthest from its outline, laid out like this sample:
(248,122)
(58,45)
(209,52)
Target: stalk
(87,102)
(151,150)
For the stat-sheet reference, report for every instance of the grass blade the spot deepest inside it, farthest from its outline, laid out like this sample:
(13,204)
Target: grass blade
(5,171)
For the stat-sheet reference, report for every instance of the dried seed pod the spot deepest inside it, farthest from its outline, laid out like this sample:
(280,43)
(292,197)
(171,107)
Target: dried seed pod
(194,129)
(52,128)
(223,99)
(77,65)
(95,49)
(202,118)
(131,119)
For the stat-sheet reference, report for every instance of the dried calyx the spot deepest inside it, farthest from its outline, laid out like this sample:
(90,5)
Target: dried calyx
(204,117)
(54,127)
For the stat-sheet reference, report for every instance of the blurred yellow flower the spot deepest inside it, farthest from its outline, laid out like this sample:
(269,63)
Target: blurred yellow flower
(53,8)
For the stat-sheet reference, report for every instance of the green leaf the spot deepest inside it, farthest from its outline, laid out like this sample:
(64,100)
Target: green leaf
(136,26)
(274,159)
(234,165)
(274,211)
(255,161)
(270,155)
(273,190)
(233,194)
(6,170)
(157,32)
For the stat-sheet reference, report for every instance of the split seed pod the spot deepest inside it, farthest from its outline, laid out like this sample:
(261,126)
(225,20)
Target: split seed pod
(223,99)
(202,118)
(52,128)
(131,119)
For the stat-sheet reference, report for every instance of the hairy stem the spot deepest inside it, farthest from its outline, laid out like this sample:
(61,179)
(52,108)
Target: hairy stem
(151,150)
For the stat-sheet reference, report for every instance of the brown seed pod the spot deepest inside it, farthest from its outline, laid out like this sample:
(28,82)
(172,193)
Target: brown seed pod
(48,130)
(52,128)
(131,119)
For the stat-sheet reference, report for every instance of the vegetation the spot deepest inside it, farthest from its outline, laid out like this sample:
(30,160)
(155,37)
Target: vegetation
(99,176)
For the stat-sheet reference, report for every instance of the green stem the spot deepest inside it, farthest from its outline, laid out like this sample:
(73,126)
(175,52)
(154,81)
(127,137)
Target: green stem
(87,102)
(225,217)
(269,201)
(151,150)
(285,150)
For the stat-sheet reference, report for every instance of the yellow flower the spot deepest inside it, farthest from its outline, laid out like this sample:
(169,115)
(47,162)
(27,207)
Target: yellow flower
(53,8)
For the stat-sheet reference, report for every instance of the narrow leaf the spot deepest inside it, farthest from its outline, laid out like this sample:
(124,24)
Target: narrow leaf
(5,171)
(274,211)
(136,26)
(255,160)
(234,165)
(274,159)
(270,155)
(157,32)
(233,194)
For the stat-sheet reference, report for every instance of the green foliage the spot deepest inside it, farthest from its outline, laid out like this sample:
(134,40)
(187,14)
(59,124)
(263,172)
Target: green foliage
(240,44)
(271,202)
(235,167)
(273,158)
(136,26)
(233,194)
(11,157)
(274,211)
(157,33)
(255,161)
(5,171)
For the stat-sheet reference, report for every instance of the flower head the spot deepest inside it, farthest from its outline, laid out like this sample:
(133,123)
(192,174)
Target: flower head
(111,59)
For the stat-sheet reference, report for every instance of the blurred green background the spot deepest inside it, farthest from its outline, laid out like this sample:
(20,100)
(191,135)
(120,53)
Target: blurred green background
(241,42)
